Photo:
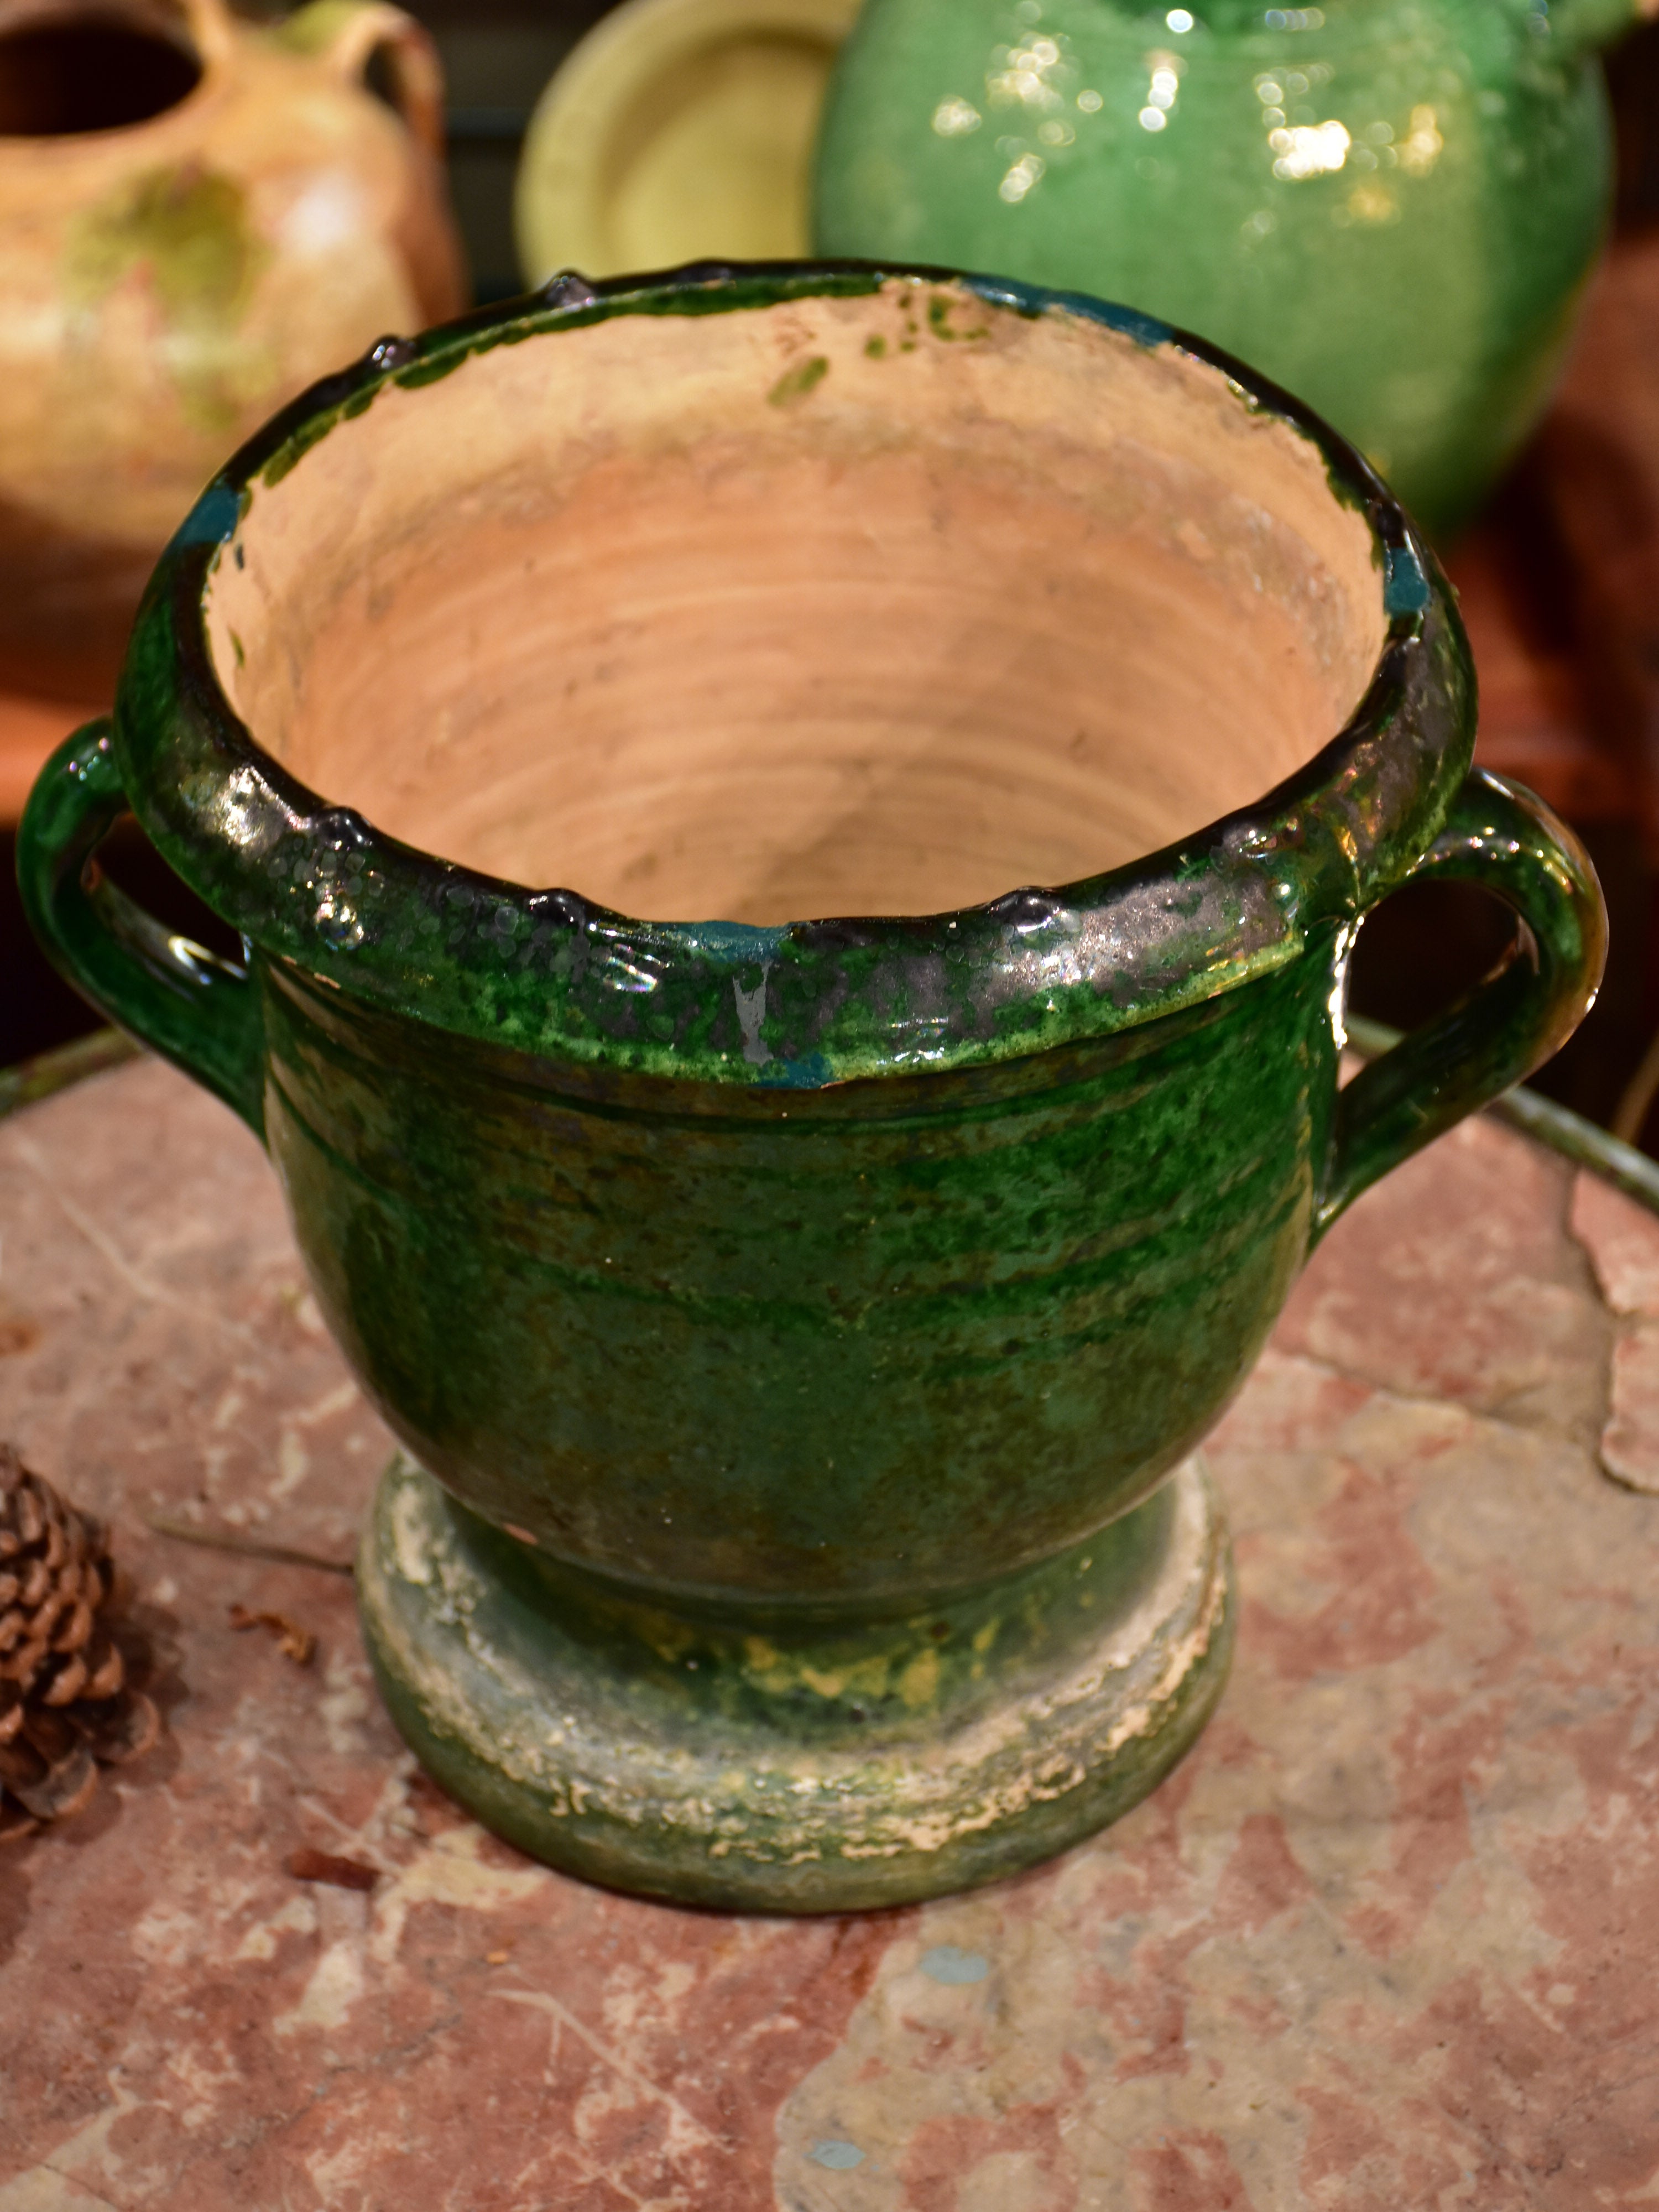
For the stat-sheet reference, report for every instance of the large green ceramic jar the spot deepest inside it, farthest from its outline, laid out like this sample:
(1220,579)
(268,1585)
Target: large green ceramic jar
(1388,206)
(801,1320)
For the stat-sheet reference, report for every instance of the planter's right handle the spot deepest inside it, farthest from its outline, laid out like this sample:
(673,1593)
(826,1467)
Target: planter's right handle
(346,34)
(1500,837)
(195,1010)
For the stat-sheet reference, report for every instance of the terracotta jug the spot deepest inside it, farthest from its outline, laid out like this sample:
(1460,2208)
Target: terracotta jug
(197,218)
(1388,206)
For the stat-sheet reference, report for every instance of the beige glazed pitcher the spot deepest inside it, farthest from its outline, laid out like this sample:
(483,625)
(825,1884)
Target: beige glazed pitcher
(198,217)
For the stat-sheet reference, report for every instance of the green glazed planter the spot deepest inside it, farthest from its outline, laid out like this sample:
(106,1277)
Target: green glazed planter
(1390,206)
(800,1329)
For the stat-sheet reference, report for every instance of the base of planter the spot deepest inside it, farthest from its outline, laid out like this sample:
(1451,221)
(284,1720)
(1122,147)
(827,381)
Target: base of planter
(789,1768)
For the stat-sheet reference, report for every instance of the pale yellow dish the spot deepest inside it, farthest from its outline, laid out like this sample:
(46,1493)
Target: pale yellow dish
(679,130)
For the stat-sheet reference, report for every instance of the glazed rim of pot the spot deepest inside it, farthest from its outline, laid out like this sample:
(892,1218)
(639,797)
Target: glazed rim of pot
(838,605)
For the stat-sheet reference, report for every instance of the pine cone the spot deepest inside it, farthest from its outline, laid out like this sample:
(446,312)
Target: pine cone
(65,1704)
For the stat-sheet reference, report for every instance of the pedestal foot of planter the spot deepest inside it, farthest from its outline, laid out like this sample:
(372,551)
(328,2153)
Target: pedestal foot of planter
(745,1760)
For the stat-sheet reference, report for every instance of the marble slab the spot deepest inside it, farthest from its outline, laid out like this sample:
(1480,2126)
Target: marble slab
(1389,1939)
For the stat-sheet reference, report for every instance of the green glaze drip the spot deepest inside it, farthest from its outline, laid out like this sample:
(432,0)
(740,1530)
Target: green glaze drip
(795,383)
(316,28)
(186,232)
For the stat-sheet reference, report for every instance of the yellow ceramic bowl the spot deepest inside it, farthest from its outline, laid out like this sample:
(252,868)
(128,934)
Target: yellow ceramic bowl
(679,130)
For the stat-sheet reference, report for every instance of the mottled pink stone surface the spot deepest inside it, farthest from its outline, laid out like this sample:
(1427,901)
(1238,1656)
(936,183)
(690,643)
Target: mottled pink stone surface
(1389,1940)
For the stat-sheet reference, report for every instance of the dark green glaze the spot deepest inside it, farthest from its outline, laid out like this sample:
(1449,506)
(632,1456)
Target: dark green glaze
(731,1355)
(1391,206)
(929,1286)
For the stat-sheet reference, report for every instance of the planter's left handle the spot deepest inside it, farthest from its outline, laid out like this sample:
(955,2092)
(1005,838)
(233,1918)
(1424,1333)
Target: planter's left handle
(195,1010)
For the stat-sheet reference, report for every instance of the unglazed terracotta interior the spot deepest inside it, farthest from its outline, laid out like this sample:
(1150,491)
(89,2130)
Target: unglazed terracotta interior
(887,605)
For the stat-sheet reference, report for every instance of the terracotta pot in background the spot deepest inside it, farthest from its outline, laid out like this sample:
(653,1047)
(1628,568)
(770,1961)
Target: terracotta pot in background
(197,218)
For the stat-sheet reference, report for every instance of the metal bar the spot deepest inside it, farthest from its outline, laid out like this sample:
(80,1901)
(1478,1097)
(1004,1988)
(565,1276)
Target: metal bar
(1564,1132)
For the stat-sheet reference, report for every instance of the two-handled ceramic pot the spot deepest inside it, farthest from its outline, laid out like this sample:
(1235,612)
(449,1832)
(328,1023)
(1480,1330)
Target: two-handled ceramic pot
(801,1259)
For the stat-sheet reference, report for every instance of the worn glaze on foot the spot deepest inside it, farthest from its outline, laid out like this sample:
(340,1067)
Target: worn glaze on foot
(680,1753)
(775,1292)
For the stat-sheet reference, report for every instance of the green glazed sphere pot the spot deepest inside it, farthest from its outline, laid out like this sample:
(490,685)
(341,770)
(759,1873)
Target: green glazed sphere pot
(800,1323)
(1389,206)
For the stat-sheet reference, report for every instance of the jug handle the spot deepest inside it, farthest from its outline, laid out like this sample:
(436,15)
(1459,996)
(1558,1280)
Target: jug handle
(346,34)
(195,1010)
(1499,836)
(212,29)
